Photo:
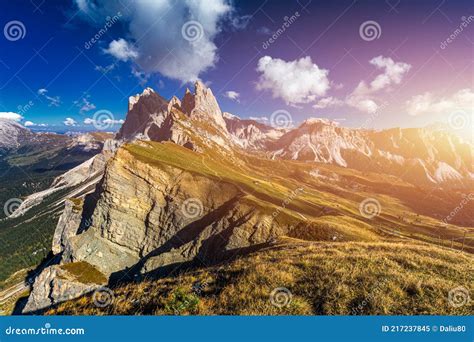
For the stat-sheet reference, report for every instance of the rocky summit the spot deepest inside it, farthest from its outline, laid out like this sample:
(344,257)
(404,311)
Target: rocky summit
(186,186)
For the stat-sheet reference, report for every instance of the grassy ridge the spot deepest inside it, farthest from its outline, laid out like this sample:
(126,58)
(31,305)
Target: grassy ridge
(323,279)
(325,204)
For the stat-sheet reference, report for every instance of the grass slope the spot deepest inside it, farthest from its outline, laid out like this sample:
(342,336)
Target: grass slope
(328,203)
(323,278)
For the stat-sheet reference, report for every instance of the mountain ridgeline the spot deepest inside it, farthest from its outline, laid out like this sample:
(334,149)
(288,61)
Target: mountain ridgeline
(184,186)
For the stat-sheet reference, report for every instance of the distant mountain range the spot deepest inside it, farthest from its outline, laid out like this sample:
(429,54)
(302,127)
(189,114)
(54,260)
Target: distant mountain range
(433,156)
(184,185)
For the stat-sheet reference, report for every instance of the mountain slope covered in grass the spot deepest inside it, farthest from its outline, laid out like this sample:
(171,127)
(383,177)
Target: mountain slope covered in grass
(294,277)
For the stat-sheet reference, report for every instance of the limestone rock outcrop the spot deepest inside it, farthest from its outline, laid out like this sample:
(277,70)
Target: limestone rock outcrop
(57,284)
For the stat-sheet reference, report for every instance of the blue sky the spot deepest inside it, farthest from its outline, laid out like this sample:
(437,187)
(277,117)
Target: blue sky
(49,75)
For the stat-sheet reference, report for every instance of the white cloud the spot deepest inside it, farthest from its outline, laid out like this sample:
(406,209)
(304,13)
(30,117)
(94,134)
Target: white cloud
(53,101)
(121,50)
(70,122)
(393,72)
(105,69)
(32,124)
(363,104)
(264,31)
(328,102)
(362,98)
(84,105)
(296,82)
(259,118)
(10,116)
(141,76)
(427,103)
(365,96)
(233,95)
(108,121)
(155,42)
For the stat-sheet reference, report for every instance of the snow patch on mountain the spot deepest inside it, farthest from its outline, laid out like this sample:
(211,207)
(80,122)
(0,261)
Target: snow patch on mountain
(446,173)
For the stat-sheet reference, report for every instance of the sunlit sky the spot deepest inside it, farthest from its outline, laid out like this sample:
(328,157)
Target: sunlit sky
(413,65)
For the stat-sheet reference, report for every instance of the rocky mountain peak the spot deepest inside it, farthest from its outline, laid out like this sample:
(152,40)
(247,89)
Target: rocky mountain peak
(151,117)
(202,105)
(319,121)
(143,109)
(13,134)
(174,102)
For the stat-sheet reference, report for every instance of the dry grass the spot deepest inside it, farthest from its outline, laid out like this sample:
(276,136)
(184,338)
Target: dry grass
(351,278)
(85,273)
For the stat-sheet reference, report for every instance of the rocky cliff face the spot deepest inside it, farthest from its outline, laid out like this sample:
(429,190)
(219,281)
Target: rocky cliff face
(148,217)
(68,225)
(144,112)
(57,284)
(157,216)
